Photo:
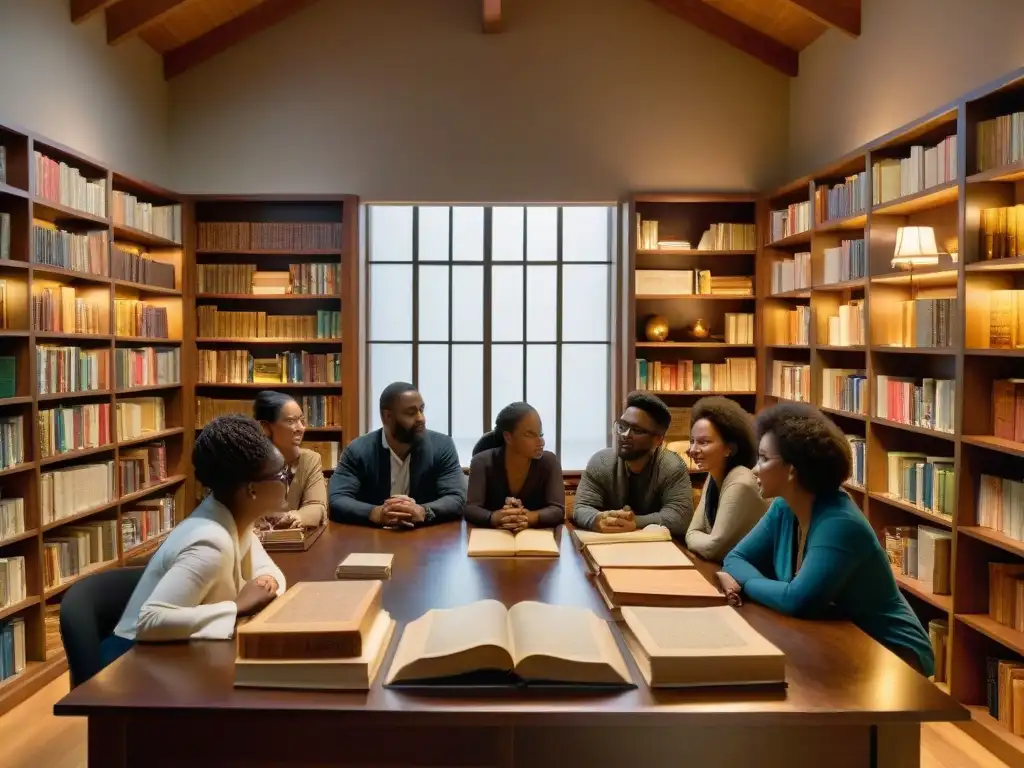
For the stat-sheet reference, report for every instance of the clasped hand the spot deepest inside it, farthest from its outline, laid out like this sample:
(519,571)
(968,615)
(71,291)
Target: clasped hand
(512,517)
(731,588)
(616,521)
(399,512)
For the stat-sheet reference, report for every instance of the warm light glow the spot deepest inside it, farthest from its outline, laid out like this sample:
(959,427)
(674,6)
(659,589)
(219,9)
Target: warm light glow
(915,247)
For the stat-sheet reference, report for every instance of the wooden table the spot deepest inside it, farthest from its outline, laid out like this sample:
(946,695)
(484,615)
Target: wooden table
(849,702)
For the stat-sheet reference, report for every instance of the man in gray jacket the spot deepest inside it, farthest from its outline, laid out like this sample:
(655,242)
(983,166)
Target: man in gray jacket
(638,482)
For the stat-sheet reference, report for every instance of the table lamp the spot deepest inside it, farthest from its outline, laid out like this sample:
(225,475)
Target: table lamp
(915,247)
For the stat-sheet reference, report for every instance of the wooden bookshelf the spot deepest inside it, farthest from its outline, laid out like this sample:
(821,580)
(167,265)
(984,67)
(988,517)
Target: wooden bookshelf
(969,270)
(26,199)
(320,235)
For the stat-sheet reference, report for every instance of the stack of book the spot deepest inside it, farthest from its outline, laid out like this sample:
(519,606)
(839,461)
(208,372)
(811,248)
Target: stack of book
(365,565)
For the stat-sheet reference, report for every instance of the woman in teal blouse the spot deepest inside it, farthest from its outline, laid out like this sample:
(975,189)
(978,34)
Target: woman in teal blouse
(813,553)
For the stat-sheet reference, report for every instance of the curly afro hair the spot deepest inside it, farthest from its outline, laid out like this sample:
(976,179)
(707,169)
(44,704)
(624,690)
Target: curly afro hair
(229,452)
(653,406)
(810,442)
(734,425)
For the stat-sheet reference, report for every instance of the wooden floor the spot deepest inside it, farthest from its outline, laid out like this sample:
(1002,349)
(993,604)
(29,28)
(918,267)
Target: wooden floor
(31,737)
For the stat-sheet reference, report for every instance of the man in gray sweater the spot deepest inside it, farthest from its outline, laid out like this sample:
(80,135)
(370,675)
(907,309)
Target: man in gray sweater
(638,482)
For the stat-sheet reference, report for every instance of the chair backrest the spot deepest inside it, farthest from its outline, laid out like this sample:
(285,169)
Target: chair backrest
(89,612)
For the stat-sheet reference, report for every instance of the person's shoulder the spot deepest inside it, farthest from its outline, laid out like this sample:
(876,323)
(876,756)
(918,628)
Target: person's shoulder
(440,440)
(310,459)
(671,465)
(201,527)
(841,519)
(743,477)
(483,459)
(549,460)
(601,461)
(365,443)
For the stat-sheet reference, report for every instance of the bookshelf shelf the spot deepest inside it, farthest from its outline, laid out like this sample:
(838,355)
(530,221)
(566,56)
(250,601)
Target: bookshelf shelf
(800,238)
(690,345)
(151,289)
(131,391)
(270,342)
(7,189)
(77,454)
(267,385)
(66,584)
(995,538)
(692,297)
(141,237)
(151,436)
(920,590)
(913,350)
(842,285)
(921,201)
(924,514)
(996,265)
(1010,173)
(17,468)
(691,252)
(52,211)
(989,627)
(147,547)
(846,224)
(994,352)
(258,297)
(271,252)
(45,271)
(74,395)
(79,516)
(802,293)
(19,607)
(995,444)
(844,414)
(30,533)
(838,348)
(150,489)
(913,428)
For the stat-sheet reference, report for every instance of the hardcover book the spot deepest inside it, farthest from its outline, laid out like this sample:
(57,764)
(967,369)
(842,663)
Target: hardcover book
(494,542)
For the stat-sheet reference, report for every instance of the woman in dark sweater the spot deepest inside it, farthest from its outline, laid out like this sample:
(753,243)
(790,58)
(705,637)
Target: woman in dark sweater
(513,482)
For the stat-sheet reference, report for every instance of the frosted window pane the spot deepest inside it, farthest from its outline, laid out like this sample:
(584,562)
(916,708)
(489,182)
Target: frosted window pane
(433,233)
(433,384)
(467,305)
(390,233)
(468,233)
(467,398)
(542,233)
(388,363)
(390,302)
(506,376)
(541,383)
(433,309)
(507,233)
(506,303)
(541,303)
(586,233)
(585,417)
(586,315)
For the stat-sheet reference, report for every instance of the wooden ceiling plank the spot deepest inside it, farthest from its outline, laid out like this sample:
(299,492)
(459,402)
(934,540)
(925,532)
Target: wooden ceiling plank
(843,15)
(127,18)
(492,16)
(735,33)
(83,10)
(229,34)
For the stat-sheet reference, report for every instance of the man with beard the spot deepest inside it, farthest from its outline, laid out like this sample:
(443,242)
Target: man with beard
(638,482)
(401,476)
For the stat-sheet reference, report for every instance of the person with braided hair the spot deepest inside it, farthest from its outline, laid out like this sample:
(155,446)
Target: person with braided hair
(211,569)
(513,482)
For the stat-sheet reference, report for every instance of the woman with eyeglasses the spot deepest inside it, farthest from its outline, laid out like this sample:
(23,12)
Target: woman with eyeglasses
(283,422)
(722,444)
(814,554)
(513,482)
(211,568)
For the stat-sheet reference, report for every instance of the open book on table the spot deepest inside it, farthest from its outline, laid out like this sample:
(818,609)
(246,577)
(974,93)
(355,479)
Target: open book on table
(486,644)
(584,538)
(494,542)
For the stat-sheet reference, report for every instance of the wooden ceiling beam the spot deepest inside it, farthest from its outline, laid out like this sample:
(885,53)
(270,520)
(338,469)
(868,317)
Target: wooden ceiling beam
(82,10)
(735,33)
(231,33)
(131,16)
(492,16)
(843,15)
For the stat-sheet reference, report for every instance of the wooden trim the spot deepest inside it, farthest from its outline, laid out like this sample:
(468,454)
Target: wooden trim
(130,17)
(735,33)
(219,39)
(843,15)
(83,10)
(492,21)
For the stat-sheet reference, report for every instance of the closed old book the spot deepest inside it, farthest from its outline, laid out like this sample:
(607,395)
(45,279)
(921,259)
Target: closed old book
(365,565)
(650,533)
(647,554)
(662,587)
(494,542)
(313,620)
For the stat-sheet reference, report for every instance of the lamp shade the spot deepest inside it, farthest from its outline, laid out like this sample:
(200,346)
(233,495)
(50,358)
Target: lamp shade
(915,247)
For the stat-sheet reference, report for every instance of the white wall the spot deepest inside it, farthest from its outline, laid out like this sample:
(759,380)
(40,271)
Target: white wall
(408,100)
(65,83)
(913,56)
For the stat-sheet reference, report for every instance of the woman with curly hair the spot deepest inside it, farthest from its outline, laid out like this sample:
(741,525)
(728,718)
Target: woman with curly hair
(814,554)
(722,444)
(211,569)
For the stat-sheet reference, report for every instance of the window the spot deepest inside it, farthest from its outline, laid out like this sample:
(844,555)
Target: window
(480,306)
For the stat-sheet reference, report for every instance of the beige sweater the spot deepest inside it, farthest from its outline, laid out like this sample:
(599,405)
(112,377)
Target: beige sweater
(307,495)
(740,506)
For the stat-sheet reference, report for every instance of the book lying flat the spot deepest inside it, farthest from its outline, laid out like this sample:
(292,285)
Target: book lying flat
(494,542)
(650,533)
(683,647)
(351,674)
(290,539)
(313,620)
(659,587)
(365,565)
(529,643)
(644,554)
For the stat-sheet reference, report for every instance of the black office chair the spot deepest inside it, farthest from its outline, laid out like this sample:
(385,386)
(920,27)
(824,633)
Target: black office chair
(89,612)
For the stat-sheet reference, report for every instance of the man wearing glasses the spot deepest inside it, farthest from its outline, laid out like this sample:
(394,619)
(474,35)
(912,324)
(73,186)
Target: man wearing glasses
(637,482)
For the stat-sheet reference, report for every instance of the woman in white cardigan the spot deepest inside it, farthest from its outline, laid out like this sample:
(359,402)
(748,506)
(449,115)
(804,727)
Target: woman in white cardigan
(211,569)
(722,444)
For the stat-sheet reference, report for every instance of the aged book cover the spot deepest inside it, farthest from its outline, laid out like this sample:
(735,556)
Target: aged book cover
(584,538)
(659,587)
(683,647)
(352,674)
(645,554)
(313,620)
(494,542)
(485,643)
(290,539)
(365,565)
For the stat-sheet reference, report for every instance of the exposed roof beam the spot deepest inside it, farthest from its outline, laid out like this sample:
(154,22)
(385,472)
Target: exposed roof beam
(230,33)
(492,15)
(81,10)
(128,18)
(843,15)
(735,33)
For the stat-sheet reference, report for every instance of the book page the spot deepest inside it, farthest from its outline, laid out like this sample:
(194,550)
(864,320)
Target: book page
(490,542)
(536,541)
(544,637)
(650,533)
(717,631)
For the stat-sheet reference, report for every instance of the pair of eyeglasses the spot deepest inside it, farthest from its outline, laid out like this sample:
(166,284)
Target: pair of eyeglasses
(283,476)
(623,428)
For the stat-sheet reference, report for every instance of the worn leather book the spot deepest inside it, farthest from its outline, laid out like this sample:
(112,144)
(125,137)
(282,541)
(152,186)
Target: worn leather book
(659,587)
(365,565)
(494,542)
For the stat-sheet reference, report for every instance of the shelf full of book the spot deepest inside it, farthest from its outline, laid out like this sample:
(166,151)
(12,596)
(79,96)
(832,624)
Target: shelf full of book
(93,409)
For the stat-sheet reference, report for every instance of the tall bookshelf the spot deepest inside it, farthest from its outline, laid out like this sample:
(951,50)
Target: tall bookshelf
(663,234)
(110,215)
(969,270)
(269,257)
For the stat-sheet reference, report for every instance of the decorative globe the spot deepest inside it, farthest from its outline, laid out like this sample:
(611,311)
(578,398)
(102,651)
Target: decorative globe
(656,328)
(699,330)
